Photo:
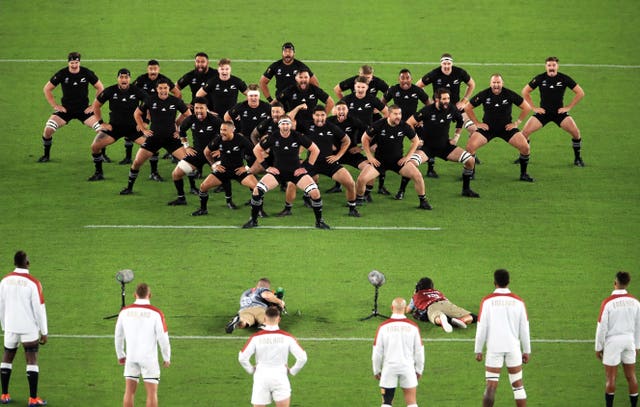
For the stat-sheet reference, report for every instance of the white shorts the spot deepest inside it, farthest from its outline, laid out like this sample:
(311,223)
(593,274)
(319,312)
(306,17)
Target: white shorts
(269,385)
(619,349)
(405,377)
(499,359)
(149,371)
(13,340)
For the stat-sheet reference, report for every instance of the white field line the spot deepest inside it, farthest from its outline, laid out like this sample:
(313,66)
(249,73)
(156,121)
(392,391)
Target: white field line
(338,62)
(259,227)
(310,339)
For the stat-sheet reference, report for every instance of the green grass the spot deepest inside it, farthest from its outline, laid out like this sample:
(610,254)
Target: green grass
(562,237)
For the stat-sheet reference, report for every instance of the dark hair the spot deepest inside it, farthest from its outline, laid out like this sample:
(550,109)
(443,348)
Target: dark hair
(153,62)
(272,312)
(201,54)
(302,70)
(318,108)
(124,71)
(440,91)
(361,79)
(277,104)
(554,59)
(73,56)
(446,55)
(425,283)
(201,100)
(501,278)
(162,81)
(142,290)
(623,278)
(224,61)
(341,102)
(394,107)
(366,69)
(20,259)
(404,70)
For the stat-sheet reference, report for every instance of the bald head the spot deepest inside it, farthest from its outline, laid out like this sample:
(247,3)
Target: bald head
(399,305)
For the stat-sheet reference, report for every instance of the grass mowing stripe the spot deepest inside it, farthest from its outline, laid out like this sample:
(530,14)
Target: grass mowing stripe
(310,339)
(332,61)
(259,227)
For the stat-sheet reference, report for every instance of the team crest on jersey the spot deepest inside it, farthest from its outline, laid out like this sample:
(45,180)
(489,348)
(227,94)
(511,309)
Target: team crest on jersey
(172,107)
(505,102)
(456,82)
(209,128)
(294,145)
(236,148)
(449,116)
(433,118)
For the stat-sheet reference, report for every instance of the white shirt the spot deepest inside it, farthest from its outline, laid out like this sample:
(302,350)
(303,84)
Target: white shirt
(619,316)
(503,324)
(271,347)
(143,327)
(22,308)
(398,344)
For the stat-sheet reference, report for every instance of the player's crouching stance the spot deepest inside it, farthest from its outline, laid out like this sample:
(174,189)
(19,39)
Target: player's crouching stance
(285,145)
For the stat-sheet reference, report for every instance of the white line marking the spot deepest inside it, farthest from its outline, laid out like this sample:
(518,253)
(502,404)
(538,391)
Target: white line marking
(341,62)
(313,339)
(415,228)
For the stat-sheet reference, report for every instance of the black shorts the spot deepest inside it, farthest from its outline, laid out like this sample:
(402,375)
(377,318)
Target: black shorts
(438,151)
(557,118)
(287,176)
(71,114)
(197,160)
(229,175)
(388,165)
(324,168)
(118,131)
(353,160)
(501,133)
(156,142)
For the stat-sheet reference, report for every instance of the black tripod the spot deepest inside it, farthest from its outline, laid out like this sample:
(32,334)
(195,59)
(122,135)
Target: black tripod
(123,293)
(374,311)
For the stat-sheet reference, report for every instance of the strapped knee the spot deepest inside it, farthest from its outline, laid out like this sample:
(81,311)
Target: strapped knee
(514,377)
(262,188)
(519,393)
(51,125)
(387,394)
(464,157)
(310,187)
(416,157)
(468,124)
(491,376)
(96,126)
(185,167)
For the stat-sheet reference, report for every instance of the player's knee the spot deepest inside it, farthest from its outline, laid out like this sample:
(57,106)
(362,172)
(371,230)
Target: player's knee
(467,159)
(312,190)
(415,159)
(387,395)
(261,189)
(31,348)
(50,127)
(519,393)
(493,377)
(185,167)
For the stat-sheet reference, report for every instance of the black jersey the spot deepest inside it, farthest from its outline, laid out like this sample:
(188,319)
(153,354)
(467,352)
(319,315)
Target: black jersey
(497,108)
(149,86)
(294,96)
(223,95)
(352,127)
(75,87)
(195,80)
(552,90)
(325,137)
(285,150)
(202,131)
(363,108)
(407,99)
(122,104)
(163,114)
(436,123)
(390,139)
(246,118)
(451,82)
(375,85)
(232,151)
(285,74)
(267,127)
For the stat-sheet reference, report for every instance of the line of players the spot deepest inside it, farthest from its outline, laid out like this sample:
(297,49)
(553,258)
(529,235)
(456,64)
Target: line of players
(145,113)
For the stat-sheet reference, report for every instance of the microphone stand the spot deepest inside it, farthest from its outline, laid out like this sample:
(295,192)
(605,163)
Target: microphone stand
(374,311)
(123,293)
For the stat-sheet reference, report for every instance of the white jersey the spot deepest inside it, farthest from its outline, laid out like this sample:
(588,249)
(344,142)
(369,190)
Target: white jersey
(619,317)
(398,345)
(22,308)
(271,347)
(143,327)
(503,324)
